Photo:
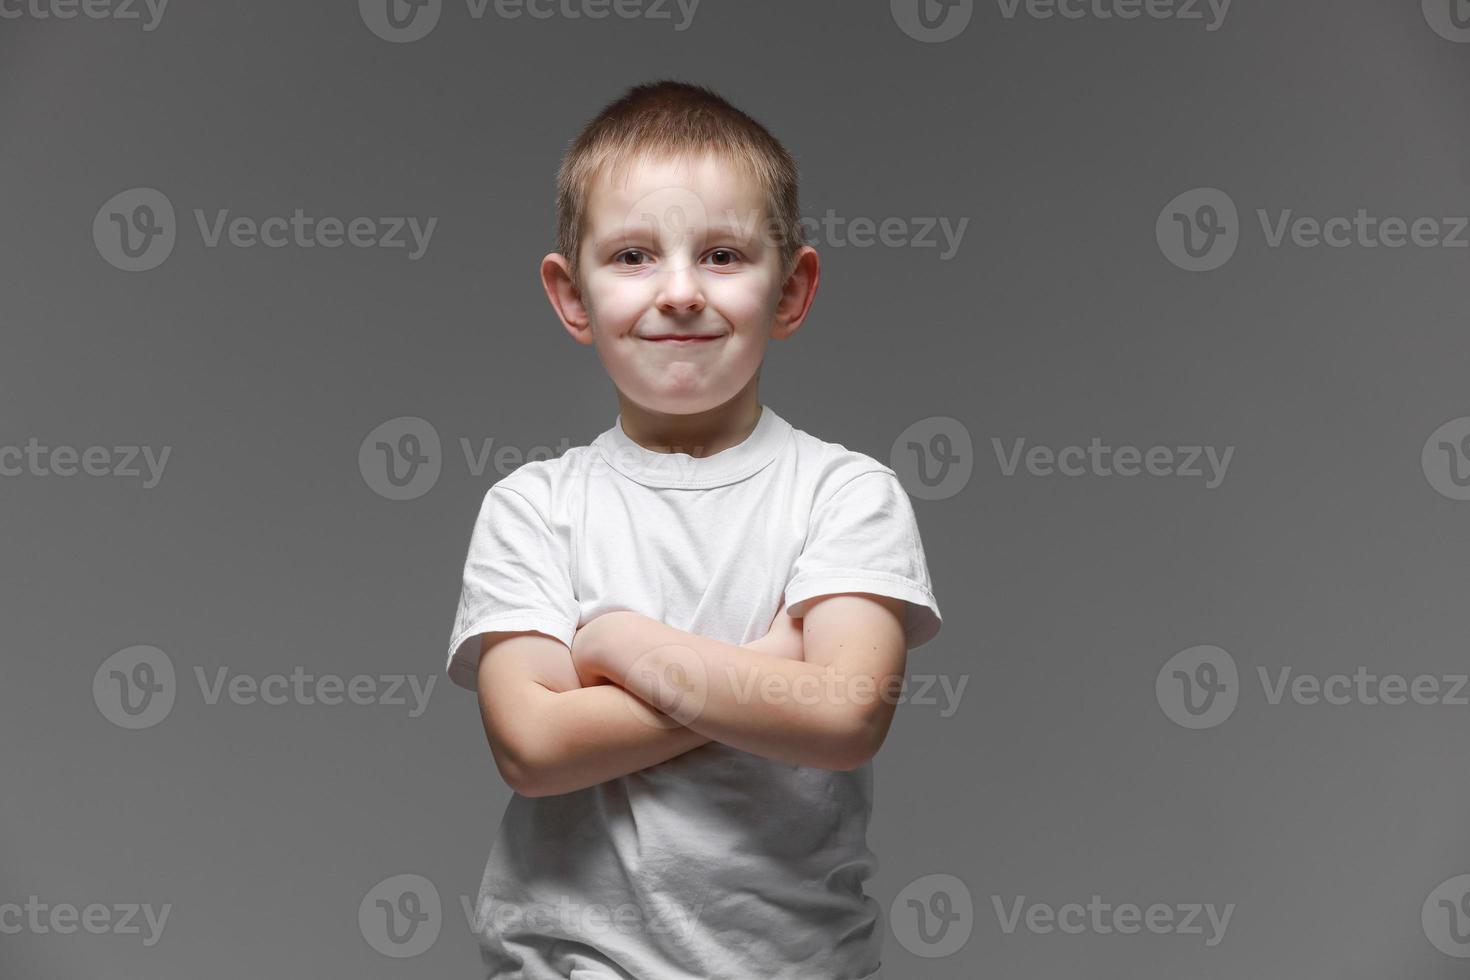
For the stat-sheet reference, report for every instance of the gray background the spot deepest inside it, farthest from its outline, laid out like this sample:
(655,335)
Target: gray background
(1060,318)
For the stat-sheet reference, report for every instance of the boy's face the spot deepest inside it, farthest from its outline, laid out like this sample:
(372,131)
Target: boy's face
(680,250)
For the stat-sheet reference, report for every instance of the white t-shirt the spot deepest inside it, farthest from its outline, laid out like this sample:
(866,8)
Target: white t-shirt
(717,863)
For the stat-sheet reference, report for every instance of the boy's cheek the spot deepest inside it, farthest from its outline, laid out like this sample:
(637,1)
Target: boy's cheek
(618,305)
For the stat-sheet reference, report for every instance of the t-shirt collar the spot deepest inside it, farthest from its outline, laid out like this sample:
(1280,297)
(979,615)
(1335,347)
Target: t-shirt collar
(681,470)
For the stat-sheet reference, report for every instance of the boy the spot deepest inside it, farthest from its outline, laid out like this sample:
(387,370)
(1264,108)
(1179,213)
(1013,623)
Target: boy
(687,637)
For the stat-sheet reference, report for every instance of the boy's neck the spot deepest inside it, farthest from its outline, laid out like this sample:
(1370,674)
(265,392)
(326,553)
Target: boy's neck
(700,434)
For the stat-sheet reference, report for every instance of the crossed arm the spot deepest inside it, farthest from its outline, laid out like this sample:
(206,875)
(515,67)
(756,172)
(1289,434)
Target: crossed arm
(636,692)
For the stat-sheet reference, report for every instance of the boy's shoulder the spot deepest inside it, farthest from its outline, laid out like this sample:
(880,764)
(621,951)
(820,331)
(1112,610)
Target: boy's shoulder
(833,464)
(538,479)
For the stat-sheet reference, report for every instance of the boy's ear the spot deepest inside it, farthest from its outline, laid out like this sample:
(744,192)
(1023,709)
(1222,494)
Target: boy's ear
(797,292)
(566,298)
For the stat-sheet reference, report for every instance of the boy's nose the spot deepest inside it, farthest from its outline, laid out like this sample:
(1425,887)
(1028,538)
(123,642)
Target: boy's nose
(679,291)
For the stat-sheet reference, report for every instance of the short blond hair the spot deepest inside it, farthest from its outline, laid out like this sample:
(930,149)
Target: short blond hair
(673,120)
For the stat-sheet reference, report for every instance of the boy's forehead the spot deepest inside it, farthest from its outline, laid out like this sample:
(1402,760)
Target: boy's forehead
(643,189)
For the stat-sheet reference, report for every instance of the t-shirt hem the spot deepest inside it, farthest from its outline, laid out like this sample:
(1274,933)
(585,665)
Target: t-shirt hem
(463,663)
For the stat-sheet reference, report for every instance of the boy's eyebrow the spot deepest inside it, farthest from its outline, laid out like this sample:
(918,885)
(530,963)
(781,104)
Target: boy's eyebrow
(717,227)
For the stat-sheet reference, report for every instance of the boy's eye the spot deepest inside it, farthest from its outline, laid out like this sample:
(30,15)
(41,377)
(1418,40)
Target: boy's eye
(633,257)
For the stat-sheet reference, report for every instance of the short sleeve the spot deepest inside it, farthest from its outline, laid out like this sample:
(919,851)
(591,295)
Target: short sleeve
(864,538)
(516,577)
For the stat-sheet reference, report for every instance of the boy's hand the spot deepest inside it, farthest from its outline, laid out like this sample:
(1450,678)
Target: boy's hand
(592,644)
(783,638)
(585,646)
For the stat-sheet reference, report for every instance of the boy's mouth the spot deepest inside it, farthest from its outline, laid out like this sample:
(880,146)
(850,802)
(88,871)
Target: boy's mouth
(678,340)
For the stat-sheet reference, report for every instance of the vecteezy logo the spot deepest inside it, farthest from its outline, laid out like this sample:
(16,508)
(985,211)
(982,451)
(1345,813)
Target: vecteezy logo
(932,21)
(135,688)
(674,680)
(933,458)
(401,458)
(401,916)
(668,217)
(1446,917)
(135,230)
(400,21)
(1199,230)
(933,916)
(1198,687)
(1446,459)
(1450,19)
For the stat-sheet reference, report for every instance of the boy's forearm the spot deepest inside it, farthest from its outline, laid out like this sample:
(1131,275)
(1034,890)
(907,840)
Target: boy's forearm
(782,709)
(601,732)
(593,734)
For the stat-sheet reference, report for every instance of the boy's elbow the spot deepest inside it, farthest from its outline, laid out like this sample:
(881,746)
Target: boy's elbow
(542,782)
(520,778)
(862,732)
(526,779)
(526,772)
(849,757)
(527,785)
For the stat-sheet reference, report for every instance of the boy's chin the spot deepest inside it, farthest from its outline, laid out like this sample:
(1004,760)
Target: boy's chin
(687,402)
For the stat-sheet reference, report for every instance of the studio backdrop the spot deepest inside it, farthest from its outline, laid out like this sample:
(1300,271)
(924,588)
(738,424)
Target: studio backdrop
(1157,308)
